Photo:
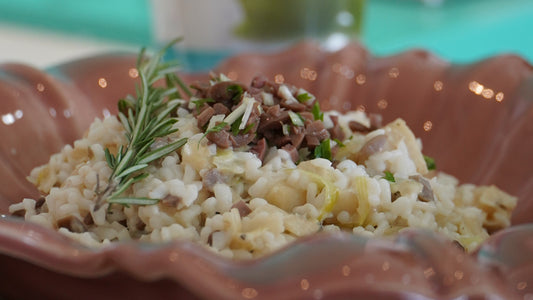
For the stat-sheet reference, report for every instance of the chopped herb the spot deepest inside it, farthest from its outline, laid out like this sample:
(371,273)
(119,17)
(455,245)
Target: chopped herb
(323,150)
(236,91)
(285,129)
(339,143)
(317,114)
(389,176)
(247,128)
(219,127)
(430,162)
(296,118)
(304,97)
(200,102)
(235,126)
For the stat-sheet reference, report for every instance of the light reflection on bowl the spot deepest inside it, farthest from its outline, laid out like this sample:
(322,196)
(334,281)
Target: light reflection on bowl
(476,120)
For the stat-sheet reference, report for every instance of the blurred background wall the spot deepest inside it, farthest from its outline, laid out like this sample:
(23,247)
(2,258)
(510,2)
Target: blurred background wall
(46,32)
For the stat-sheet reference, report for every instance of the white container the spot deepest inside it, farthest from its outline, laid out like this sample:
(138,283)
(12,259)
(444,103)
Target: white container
(214,29)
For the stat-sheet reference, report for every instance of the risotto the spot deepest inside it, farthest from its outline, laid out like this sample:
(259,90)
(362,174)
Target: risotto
(261,166)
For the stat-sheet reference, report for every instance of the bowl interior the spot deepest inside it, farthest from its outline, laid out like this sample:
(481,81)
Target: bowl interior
(476,120)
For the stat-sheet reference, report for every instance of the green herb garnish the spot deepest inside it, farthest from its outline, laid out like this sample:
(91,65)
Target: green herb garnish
(317,114)
(235,126)
(430,162)
(389,176)
(248,128)
(145,117)
(236,91)
(296,118)
(339,143)
(200,102)
(304,97)
(219,127)
(323,150)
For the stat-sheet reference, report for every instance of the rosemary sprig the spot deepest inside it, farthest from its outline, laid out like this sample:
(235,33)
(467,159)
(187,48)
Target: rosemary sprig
(146,117)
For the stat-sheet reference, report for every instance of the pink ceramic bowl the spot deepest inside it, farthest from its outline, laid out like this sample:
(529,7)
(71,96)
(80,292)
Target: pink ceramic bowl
(476,120)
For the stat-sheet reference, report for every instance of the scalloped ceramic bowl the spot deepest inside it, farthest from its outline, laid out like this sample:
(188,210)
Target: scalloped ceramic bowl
(476,120)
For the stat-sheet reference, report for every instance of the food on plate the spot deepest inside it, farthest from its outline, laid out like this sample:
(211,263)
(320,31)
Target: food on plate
(246,169)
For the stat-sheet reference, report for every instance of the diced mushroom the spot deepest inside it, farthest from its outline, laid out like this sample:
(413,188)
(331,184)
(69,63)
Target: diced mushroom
(375,121)
(260,149)
(273,121)
(293,152)
(315,133)
(259,81)
(294,106)
(374,145)
(221,92)
(242,207)
(212,177)
(210,238)
(358,127)
(171,200)
(458,245)
(336,131)
(395,196)
(140,226)
(39,203)
(426,195)
(19,213)
(220,109)
(220,138)
(73,224)
(205,115)
(241,140)
(88,220)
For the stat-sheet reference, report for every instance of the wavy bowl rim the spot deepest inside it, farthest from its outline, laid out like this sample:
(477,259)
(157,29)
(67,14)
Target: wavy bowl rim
(107,255)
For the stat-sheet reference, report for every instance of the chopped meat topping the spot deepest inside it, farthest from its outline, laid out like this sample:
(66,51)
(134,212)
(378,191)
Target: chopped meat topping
(259,149)
(205,115)
(267,114)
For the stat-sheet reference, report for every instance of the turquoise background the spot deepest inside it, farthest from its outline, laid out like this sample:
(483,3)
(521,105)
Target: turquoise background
(119,20)
(458,30)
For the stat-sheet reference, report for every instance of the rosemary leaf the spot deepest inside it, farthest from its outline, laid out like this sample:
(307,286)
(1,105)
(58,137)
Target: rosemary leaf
(160,152)
(109,158)
(133,201)
(131,169)
(145,117)
(124,120)
(176,80)
(123,161)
